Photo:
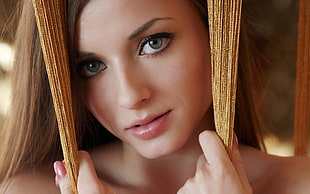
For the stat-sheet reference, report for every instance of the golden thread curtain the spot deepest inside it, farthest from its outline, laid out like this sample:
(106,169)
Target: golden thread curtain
(224,25)
(50,17)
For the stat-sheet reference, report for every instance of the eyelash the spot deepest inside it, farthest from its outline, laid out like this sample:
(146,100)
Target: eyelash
(168,37)
(85,73)
(83,70)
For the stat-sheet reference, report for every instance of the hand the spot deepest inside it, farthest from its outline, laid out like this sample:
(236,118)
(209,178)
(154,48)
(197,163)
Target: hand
(216,173)
(88,182)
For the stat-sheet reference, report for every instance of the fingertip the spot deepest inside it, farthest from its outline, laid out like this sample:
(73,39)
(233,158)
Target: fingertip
(204,134)
(61,179)
(84,155)
(60,170)
(235,141)
(83,152)
(85,160)
(207,136)
(87,168)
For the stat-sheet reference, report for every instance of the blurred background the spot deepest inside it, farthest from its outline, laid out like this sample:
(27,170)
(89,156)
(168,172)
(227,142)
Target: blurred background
(277,26)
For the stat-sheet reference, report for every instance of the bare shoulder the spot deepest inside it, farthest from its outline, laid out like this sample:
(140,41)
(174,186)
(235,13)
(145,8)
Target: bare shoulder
(30,181)
(295,172)
(278,175)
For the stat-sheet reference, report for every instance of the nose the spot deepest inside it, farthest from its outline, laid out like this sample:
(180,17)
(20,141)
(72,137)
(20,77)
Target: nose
(133,90)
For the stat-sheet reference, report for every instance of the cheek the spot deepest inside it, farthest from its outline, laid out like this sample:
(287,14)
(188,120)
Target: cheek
(99,91)
(92,94)
(191,71)
(98,101)
(192,78)
(197,85)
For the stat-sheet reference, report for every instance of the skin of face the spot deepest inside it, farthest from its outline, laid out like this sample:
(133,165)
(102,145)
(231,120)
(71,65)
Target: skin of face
(154,62)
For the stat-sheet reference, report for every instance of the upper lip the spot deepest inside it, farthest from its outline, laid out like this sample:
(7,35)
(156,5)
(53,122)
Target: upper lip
(146,120)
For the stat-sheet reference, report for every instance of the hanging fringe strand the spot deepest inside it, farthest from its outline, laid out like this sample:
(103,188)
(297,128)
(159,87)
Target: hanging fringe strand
(50,17)
(224,25)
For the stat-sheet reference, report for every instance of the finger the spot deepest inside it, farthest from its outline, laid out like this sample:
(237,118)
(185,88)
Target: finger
(56,181)
(61,178)
(202,167)
(237,161)
(87,175)
(202,162)
(213,148)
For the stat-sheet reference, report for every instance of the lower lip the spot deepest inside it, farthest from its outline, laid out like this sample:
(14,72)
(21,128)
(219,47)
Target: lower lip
(150,130)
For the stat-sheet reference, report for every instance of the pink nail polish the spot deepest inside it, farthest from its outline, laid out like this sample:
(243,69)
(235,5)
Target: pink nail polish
(60,169)
(235,141)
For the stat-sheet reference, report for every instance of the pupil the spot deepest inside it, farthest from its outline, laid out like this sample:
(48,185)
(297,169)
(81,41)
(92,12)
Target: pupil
(93,67)
(156,43)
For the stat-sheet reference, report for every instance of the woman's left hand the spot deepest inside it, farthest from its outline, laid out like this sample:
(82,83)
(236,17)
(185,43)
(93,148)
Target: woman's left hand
(216,172)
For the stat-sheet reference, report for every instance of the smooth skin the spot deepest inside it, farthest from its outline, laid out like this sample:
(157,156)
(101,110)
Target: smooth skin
(141,59)
(223,175)
(135,81)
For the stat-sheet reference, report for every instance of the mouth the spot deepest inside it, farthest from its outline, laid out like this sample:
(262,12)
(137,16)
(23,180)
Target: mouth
(149,127)
(139,125)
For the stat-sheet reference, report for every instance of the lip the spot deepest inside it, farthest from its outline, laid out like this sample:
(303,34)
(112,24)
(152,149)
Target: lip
(149,127)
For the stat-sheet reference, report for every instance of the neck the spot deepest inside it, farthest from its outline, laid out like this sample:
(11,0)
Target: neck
(171,170)
(168,171)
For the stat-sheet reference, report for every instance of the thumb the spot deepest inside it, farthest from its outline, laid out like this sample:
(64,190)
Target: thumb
(61,179)
(87,175)
(88,181)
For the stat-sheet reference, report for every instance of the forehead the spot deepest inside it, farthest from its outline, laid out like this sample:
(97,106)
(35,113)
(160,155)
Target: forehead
(127,6)
(114,20)
(125,12)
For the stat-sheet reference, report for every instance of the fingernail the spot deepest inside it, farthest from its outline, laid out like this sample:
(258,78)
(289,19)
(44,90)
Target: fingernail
(235,141)
(60,169)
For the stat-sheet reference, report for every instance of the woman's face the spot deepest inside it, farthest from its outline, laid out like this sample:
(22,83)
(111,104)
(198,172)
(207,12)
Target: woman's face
(146,68)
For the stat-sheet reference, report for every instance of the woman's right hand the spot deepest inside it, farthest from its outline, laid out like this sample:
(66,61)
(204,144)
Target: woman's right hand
(88,181)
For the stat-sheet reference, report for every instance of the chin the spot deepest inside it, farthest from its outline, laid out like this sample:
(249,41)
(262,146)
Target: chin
(160,151)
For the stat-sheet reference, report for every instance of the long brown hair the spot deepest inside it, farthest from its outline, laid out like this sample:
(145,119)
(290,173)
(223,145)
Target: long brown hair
(31,136)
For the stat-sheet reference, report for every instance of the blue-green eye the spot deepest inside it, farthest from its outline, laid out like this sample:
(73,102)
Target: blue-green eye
(90,68)
(155,43)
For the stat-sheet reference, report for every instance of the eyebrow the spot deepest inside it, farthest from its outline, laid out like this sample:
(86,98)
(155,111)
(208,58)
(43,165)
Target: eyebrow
(145,26)
(83,53)
(134,34)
